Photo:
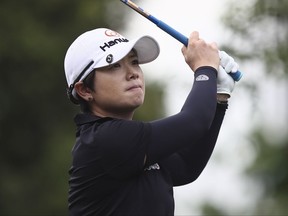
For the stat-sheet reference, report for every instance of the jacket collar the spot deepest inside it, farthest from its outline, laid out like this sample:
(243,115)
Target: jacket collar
(86,118)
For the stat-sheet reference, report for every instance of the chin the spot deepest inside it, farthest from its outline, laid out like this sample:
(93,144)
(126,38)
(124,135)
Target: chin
(136,105)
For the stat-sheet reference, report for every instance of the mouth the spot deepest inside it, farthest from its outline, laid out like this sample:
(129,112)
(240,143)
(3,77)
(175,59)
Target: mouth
(134,87)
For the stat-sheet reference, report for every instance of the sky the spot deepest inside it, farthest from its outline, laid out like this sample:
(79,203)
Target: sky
(222,181)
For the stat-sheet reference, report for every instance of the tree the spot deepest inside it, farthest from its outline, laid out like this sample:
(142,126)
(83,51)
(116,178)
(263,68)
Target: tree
(261,27)
(36,126)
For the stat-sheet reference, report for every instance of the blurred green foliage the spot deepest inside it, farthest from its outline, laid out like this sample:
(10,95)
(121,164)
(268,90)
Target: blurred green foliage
(36,118)
(261,27)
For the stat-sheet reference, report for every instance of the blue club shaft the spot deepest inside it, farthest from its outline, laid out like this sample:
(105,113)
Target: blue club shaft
(177,35)
(168,29)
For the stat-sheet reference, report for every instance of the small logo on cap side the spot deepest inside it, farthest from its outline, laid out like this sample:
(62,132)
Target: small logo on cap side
(202,77)
(111,33)
(109,58)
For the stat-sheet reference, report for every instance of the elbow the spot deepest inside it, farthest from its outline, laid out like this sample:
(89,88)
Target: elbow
(189,178)
(196,171)
(196,175)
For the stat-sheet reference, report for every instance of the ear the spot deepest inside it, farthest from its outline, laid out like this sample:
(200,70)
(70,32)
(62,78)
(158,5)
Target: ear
(83,91)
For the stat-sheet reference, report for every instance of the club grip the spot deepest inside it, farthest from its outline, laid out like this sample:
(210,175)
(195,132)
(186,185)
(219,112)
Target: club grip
(184,40)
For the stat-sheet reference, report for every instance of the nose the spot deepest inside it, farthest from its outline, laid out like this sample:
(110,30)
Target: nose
(132,73)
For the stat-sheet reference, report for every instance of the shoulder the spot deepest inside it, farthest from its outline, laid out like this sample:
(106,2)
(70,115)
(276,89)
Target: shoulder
(123,129)
(93,129)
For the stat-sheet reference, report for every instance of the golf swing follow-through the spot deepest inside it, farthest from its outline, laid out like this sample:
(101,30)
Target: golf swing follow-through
(122,166)
(236,75)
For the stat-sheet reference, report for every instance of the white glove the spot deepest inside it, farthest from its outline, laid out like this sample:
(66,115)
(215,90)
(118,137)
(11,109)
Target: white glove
(228,63)
(225,83)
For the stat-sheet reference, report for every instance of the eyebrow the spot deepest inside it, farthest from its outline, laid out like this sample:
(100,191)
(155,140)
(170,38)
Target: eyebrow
(133,53)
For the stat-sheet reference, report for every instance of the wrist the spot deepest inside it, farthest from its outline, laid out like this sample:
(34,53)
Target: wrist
(205,68)
(222,98)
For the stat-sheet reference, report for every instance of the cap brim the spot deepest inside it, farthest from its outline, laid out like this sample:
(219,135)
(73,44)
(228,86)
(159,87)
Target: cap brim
(146,47)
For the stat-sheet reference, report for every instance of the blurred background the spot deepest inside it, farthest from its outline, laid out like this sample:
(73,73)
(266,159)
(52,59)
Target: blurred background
(247,173)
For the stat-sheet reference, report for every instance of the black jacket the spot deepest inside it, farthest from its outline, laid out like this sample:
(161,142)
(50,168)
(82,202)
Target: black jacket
(108,175)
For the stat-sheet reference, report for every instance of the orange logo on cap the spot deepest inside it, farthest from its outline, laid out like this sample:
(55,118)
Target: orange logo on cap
(111,33)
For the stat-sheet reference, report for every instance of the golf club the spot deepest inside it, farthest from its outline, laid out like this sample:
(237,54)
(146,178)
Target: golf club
(177,35)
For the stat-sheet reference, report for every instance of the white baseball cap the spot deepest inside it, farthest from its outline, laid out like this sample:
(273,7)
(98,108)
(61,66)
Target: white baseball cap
(102,47)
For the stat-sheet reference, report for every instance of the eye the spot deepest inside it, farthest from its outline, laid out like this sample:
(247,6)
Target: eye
(135,62)
(114,66)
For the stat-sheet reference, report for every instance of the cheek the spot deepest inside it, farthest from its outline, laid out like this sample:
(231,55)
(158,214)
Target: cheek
(144,86)
(106,87)
(105,90)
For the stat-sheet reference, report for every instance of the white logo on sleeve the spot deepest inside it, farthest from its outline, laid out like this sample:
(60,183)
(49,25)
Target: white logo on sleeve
(202,77)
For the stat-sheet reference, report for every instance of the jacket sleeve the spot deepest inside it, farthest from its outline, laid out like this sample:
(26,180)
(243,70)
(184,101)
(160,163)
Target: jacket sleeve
(170,135)
(186,165)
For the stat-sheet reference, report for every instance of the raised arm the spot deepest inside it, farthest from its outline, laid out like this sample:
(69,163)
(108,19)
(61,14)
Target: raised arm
(186,165)
(171,134)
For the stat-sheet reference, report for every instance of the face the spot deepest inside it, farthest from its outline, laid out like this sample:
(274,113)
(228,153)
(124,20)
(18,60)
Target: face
(119,88)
